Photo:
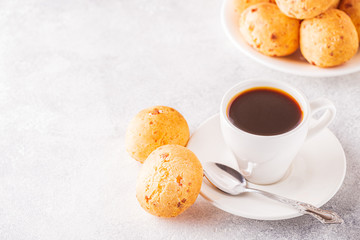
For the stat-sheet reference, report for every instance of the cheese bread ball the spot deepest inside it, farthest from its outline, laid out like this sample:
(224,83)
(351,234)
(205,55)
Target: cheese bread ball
(352,8)
(302,9)
(241,5)
(154,127)
(329,39)
(169,181)
(268,30)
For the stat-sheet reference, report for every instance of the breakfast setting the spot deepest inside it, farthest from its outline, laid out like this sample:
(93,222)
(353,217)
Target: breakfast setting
(228,119)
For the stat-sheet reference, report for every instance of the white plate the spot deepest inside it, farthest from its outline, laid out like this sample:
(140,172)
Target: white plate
(314,177)
(295,64)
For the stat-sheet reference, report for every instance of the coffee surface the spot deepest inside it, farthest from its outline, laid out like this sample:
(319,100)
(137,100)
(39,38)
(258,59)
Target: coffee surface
(264,111)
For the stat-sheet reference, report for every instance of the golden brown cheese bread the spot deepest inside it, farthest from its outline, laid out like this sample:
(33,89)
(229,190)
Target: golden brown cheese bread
(329,39)
(241,5)
(154,127)
(302,9)
(268,30)
(352,8)
(169,181)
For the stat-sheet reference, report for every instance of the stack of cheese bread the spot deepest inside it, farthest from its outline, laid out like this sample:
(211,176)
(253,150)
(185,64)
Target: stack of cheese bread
(171,176)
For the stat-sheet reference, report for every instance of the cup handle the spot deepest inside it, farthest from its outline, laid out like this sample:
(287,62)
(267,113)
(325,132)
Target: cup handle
(316,125)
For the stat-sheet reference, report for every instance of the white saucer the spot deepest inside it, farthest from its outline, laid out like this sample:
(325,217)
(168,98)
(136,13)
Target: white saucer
(315,176)
(294,64)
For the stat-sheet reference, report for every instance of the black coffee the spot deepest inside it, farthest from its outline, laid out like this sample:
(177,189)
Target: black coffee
(264,111)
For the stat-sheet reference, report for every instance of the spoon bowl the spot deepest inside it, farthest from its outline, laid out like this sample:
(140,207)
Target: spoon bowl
(225,178)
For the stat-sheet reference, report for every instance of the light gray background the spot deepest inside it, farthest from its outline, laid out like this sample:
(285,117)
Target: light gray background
(73,74)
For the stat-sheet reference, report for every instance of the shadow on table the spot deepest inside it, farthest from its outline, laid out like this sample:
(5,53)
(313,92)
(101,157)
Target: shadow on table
(203,215)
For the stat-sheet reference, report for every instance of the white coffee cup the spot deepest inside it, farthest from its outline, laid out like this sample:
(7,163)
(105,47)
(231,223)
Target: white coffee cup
(266,159)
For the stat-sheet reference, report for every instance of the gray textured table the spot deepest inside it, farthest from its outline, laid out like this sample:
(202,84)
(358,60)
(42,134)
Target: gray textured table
(72,75)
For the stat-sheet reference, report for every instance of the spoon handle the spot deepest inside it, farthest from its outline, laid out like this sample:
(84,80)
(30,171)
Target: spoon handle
(324,216)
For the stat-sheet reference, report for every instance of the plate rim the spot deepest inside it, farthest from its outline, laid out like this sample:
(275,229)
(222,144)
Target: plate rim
(319,72)
(287,216)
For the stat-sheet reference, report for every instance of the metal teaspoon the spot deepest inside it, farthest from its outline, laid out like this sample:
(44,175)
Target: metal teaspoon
(233,182)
